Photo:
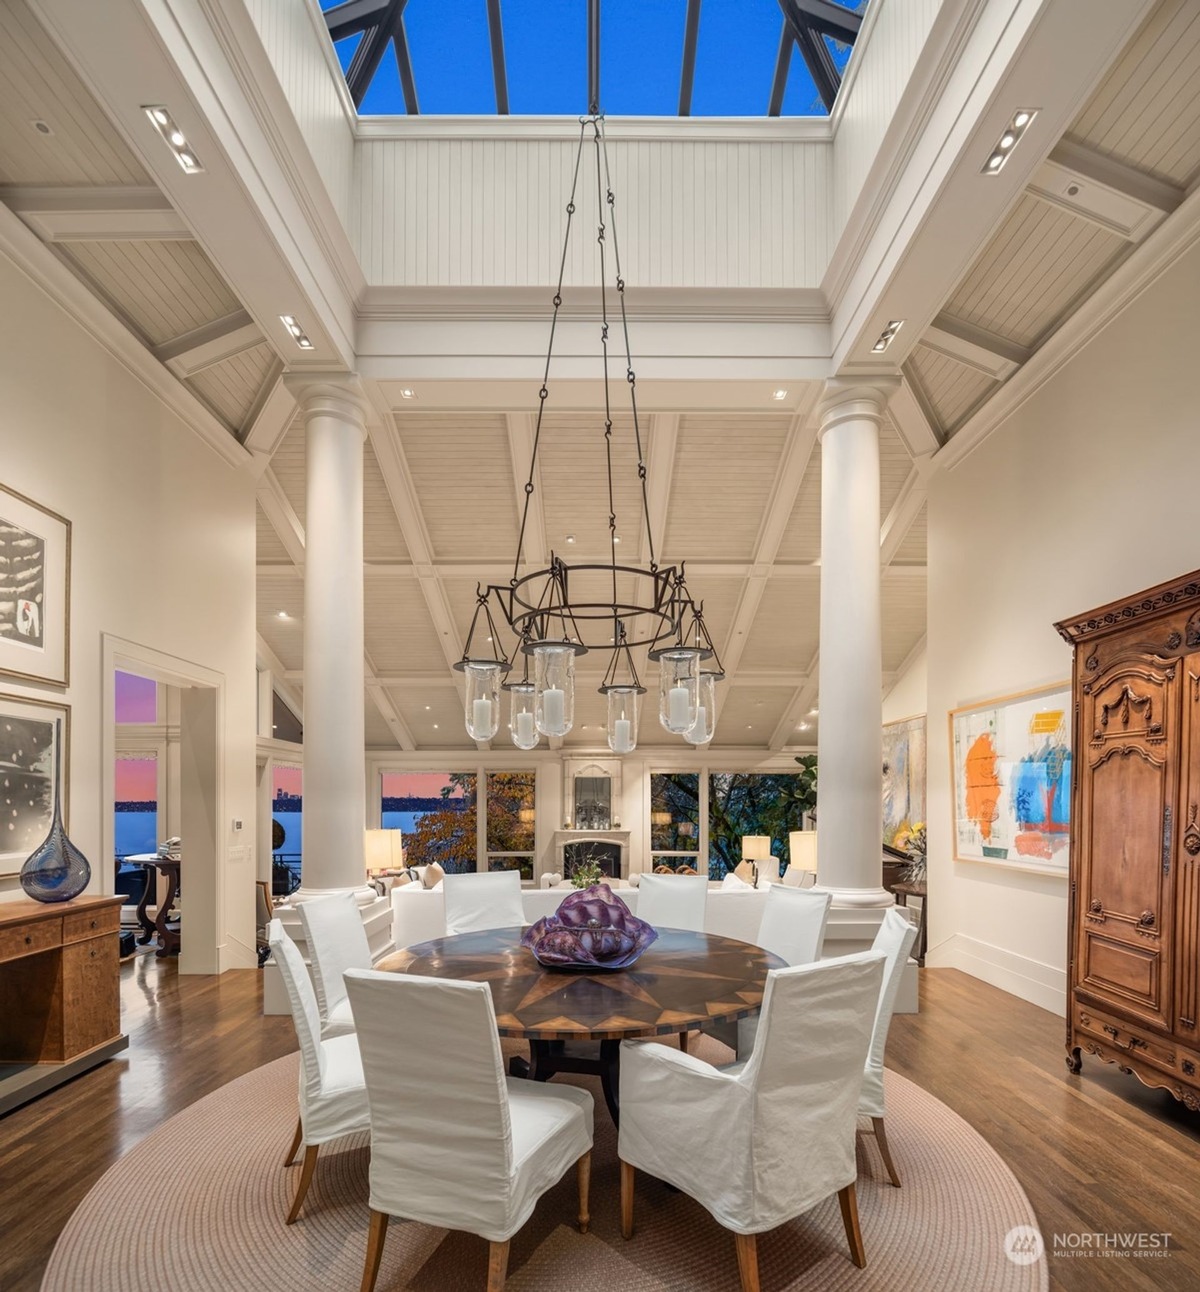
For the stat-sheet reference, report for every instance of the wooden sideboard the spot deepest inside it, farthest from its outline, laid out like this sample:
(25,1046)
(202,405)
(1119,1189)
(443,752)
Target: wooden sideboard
(1134,943)
(60,1003)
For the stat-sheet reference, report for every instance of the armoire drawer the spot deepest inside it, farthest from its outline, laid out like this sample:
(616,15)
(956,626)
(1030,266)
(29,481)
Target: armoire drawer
(1117,1035)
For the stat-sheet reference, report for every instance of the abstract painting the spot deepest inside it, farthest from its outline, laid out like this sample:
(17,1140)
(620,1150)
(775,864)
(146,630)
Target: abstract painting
(35,581)
(27,775)
(1011,763)
(903,777)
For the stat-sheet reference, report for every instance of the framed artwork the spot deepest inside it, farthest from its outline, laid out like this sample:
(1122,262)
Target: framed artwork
(35,590)
(27,774)
(1011,764)
(903,778)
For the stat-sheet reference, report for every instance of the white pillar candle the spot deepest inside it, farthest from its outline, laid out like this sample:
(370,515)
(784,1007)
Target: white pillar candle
(622,742)
(552,707)
(677,707)
(525,726)
(481,714)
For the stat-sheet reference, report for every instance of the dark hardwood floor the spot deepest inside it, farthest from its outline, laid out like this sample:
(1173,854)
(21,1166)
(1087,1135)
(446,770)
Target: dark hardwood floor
(1097,1153)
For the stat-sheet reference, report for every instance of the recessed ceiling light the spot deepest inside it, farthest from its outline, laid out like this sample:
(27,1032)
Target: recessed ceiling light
(812,713)
(427,708)
(570,538)
(779,394)
(749,726)
(1010,137)
(804,726)
(174,138)
(885,337)
(283,614)
(296,331)
(408,393)
(435,726)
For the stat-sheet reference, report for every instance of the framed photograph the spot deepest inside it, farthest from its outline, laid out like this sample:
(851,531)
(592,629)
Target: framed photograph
(903,778)
(35,590)
(1010,760)
(27,774)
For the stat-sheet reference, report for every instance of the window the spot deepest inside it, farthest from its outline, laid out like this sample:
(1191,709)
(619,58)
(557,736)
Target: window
(510,821)
(436,812)
(675,819)
(741,803)
(287,828)
(137,699)
(136,806)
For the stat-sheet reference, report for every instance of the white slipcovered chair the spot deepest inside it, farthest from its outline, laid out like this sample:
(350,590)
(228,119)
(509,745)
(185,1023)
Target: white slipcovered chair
(894,941)
(333,1095)
(491,900)
(337,941)
(479,1156)
(761,1143)
(673,901)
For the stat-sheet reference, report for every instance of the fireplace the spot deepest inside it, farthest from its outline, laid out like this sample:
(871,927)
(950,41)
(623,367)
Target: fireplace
(605,854)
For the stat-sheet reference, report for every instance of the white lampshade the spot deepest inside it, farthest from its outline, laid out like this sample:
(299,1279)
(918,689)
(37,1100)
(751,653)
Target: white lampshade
(802,850)
(756,847)
(384,850)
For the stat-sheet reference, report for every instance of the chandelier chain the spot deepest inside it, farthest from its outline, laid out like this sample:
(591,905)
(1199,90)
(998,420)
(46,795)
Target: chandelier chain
(544,392)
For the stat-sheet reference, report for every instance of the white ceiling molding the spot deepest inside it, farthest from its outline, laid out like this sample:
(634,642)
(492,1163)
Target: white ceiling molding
(42,267)
(97,214)
(1151,258)
(975,346)
(914,422)
(781,130)
(284,521)
(1107,193)
(212,343)
(269,421)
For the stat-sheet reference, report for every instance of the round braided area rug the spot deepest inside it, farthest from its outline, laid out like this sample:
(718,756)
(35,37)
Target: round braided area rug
(199,1205)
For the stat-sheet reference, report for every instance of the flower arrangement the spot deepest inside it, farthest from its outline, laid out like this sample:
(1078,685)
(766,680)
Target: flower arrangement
(585,874)
(592,929)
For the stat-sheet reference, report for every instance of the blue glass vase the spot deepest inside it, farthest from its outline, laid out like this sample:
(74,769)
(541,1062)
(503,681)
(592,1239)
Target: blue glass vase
(56,871)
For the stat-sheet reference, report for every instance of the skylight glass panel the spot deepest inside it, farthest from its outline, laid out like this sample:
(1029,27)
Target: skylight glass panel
(545,47)
(452,60)
(801,97)
(641,57)
(384,97)
(735,57)
(345,50)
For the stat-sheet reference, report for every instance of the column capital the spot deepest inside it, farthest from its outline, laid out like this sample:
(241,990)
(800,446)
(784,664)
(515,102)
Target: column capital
(330,394)
(855,397)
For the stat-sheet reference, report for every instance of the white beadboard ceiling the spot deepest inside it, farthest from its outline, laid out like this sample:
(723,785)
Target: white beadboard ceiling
(952,390)
(232,387)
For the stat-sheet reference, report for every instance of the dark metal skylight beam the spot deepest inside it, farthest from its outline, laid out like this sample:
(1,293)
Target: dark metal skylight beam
(594,55)
(783,63)
(499,73)
(354,16)
(370,51)
(821,66)
(825,17)
(404,66)
(687,75)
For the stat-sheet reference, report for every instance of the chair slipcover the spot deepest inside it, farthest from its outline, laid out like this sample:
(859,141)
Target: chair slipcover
(487,901)
(337,941)
(333,1097)
(478,1157)
(762,1143)
(673,901)
(894,941)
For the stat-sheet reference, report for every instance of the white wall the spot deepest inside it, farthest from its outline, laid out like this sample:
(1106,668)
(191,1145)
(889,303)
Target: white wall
(163,556)
(1086,494)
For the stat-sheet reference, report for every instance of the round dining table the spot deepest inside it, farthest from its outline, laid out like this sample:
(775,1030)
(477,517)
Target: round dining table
(681,981)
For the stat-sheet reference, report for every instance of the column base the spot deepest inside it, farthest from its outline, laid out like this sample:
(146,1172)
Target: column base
(363,895)
(860,897)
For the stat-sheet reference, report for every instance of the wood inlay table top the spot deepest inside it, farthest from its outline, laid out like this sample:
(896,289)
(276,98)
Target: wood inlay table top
(682,980)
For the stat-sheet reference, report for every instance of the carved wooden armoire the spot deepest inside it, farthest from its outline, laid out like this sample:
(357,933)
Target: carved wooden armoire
(1134,945)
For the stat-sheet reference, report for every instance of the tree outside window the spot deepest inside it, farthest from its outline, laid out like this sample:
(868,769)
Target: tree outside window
(741,803)
(510,821)
(437,813)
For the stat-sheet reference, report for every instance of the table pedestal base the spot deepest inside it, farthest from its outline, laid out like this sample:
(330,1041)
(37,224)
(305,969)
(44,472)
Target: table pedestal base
(548,1057)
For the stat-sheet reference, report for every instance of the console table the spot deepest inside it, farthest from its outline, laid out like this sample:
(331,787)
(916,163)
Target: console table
(60,1003)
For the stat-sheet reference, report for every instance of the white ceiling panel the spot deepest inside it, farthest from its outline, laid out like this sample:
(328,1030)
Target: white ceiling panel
(400,636)
(725,470)
(462,472)
(269,549)
(285,637)
(750,714)
(786,630)
(288,466)
(1035,270)
(913,546)
(161,289)
(904,616)
(434,715)
(895,465)
(232,387)
(378,733)
(951,389)
(1146,111)
(382,539)
(802,537)
(37,84)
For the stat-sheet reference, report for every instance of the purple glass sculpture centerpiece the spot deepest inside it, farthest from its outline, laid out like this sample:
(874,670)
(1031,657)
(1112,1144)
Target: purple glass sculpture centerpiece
(592,929)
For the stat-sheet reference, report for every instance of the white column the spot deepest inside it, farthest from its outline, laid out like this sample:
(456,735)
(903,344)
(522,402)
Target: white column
(850,743)
(334,413)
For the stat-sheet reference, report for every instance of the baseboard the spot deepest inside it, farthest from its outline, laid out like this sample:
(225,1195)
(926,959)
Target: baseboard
(1032,980)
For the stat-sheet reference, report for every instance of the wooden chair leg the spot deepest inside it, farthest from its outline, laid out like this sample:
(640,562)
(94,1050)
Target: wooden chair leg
(683,1042)
(306,1174)
(747,1253)
(884,1152)
(626,1200)
(375,1237)
(497,1266)
(299,1135)
(848,1201)
(583,1171)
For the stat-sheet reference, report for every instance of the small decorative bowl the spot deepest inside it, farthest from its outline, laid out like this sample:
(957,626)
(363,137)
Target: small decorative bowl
(592,929)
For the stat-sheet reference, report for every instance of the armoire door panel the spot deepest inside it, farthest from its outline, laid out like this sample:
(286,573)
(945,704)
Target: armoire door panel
(1112,968)
(1187,863)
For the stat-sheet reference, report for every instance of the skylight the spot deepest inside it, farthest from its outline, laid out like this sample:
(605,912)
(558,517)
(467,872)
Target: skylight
(705,58)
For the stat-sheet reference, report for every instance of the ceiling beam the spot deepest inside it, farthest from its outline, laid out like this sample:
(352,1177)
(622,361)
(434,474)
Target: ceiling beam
(279,511)
(974,346)
(796,707)
(905,510)
(387,710)
(270,419)
(211,343)
(912,420)
(499,72)
(687,74)
(520,428)
(100,214)
(266,658)
(660,471)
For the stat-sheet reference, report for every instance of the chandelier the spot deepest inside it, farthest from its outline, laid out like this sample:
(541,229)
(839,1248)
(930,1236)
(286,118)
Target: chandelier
(567,609)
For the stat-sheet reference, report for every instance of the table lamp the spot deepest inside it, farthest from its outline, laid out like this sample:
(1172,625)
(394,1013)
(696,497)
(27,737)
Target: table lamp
(802,854)
(756,848)
(384,851)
